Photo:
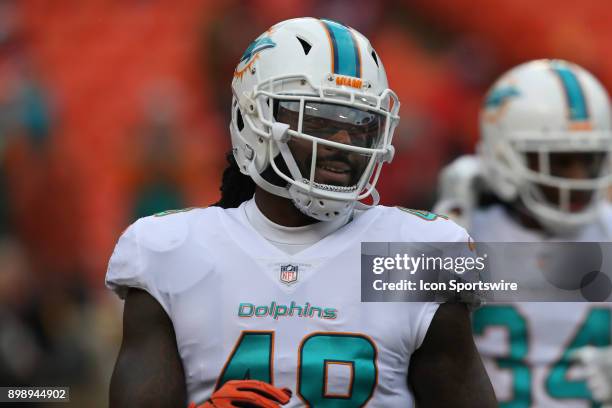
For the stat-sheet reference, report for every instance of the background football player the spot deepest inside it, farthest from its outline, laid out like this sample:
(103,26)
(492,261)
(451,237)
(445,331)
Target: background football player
(268,288)
(541,174)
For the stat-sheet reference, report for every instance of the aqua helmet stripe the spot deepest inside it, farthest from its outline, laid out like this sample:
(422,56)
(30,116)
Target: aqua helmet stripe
(576,101)
(345,52)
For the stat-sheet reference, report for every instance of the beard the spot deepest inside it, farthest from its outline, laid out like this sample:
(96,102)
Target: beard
(355,173)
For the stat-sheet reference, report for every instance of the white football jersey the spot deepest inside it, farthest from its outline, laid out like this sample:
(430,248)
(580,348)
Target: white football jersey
(526,346)
(242,308)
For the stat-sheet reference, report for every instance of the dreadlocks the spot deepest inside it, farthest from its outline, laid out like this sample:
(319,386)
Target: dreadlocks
(236,188)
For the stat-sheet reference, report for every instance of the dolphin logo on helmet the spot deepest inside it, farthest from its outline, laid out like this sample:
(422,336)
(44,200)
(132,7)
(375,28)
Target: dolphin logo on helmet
(249,56)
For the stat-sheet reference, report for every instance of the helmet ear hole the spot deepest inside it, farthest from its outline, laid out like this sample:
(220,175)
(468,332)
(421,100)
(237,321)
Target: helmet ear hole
(239,121)
(305,45)
(375,58)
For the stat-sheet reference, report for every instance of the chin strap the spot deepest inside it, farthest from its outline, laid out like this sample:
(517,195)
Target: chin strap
(280,135)
(389,154)
(266,185)
(375,200)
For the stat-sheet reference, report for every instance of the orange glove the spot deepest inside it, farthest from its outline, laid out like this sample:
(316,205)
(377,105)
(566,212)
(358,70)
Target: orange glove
(247,393)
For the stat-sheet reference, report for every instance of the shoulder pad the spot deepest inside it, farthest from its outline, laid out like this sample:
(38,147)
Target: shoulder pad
(423,214)
(457,192)
(167,230)
(426,226)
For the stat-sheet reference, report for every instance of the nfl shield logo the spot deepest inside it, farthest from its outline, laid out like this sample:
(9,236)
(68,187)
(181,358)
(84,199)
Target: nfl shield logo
(288,274)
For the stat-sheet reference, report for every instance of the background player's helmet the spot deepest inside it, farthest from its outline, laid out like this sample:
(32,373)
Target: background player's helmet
(313,69)
(534,113)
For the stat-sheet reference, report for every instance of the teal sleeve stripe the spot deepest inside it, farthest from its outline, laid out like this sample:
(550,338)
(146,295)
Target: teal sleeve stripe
(344,49)
(573,91)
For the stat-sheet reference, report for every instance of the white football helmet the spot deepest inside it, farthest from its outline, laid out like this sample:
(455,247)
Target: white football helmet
(536,111)
(315,71)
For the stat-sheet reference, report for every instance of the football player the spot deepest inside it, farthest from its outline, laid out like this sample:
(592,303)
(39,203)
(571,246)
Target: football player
(255,301)
(541,174)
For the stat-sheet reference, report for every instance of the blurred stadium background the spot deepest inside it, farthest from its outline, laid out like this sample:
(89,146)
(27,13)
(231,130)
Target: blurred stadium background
(111,110)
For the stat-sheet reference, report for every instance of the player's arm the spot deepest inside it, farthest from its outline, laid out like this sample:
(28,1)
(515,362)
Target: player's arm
(148,372)
(446,371)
